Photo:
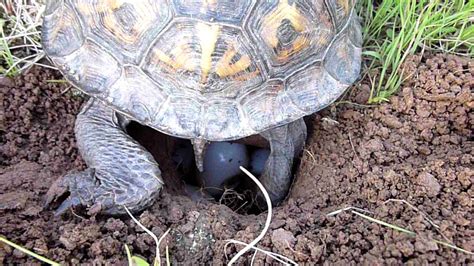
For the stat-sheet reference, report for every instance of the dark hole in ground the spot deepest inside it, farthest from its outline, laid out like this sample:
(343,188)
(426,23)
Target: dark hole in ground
(176,159)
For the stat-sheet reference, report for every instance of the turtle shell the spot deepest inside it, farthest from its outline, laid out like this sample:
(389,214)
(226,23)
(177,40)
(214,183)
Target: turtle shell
(216,70)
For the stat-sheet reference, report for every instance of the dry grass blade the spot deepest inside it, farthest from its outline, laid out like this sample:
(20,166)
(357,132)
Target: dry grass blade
(252,244)
(395,227)
(267,222)
(426,216)
(20,39)
(336,212)
(278,257)
(150,233)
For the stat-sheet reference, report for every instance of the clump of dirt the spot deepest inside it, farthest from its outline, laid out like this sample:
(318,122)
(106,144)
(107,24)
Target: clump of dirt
(418,147)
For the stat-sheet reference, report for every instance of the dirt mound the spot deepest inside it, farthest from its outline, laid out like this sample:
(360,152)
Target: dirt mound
(418,148)
(38,120)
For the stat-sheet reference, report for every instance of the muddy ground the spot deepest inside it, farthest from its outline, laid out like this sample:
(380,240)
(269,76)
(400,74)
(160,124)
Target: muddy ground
(419,148)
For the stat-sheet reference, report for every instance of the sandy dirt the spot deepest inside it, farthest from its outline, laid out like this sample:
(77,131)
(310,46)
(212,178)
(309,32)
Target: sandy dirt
(419,148)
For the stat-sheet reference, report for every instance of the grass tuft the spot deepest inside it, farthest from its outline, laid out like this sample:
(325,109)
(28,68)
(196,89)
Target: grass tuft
(395,29)
(20,37)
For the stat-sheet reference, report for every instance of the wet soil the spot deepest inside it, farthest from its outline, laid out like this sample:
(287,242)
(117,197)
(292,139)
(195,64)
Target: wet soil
(418,148)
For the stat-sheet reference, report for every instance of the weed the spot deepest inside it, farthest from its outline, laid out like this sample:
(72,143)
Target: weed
(395,29)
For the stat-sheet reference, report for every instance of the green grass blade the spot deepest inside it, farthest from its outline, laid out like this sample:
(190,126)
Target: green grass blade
(395,29)
(26,251)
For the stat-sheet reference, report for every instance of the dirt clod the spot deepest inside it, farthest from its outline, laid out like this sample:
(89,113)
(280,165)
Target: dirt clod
(283,239)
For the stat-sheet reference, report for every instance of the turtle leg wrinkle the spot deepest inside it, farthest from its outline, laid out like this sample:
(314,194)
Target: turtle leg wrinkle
(286,143)
(121,172)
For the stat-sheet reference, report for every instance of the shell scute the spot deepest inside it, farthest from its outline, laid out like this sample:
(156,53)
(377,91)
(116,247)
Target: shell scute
(218,128)
(212,59)
(343,58)
(324,89)
(137,94)
(290,34)
(265,104)
(233,12)
(62,33)
(181,117)
(123,26)
(92,76)
(341,10)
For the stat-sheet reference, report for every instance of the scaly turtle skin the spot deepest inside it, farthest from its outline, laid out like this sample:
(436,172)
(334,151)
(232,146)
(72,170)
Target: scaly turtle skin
(206,70)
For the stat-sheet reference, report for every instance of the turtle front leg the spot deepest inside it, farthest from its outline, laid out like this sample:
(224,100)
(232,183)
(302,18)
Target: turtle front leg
(121,172)
(286,143)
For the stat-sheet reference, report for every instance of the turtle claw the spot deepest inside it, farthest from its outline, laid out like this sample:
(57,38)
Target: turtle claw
(58,190)
(66,205)
(74,185)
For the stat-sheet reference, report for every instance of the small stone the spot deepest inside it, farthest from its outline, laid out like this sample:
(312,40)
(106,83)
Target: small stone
(461,221)
(423,246)
(18,254)
(12,201)
(408,98)
(282,239)
(431,184)
(32,211)
(424,149)
(374,145)
(422,110)
(68,244)
(6,82)
(392,121)
(406,248)
(449,96)
(113,225)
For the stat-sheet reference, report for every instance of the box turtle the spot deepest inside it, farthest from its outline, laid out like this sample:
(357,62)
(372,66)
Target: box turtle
(205,70)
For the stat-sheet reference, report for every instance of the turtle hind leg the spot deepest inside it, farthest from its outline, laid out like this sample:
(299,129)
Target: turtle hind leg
(286,143)
(121,172)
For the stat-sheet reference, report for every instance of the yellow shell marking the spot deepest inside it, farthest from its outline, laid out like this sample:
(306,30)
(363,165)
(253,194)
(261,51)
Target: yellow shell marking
(178,60)
(225,68)
(181,56)
(345,5)
(247,75)
(273,20)
(208,35)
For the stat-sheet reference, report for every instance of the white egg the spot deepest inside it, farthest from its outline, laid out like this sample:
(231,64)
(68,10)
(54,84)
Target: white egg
(221,163)
(258,160)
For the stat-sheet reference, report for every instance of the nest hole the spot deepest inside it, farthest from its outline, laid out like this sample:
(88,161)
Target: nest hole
(176,159)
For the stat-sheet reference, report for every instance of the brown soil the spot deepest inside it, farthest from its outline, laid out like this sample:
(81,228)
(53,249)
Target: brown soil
(418,148)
